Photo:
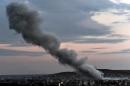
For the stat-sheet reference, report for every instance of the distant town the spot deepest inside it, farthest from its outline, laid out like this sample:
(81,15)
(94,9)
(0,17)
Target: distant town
(116,78)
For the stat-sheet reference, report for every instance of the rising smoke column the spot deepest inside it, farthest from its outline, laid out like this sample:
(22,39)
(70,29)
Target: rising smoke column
(26,21)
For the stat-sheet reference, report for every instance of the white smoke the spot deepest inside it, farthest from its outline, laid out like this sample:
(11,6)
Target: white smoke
(26,21)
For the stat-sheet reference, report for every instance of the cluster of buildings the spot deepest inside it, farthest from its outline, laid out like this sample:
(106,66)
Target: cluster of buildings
(63,82)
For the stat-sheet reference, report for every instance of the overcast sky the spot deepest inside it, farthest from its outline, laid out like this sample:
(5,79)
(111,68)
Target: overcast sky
(96,29)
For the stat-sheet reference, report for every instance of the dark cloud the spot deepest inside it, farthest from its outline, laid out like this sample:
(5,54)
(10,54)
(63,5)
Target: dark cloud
(88,51)
(125,51)
(118,52)
(6,52)
(67,27)
(100,48)
(73,5)
(117,35)
(96,4)
(123,6)
(62,17)
(99,40)
(20,44)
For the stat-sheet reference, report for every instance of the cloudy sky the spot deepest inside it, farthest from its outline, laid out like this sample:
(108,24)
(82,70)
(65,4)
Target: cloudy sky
(96,29)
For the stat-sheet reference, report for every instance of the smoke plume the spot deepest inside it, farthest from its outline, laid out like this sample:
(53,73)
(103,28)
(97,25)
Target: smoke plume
(26,21)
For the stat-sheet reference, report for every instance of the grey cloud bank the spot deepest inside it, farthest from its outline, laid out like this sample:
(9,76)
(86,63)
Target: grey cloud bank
(99,40)
(6,52)
(125,51)
(63,18)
